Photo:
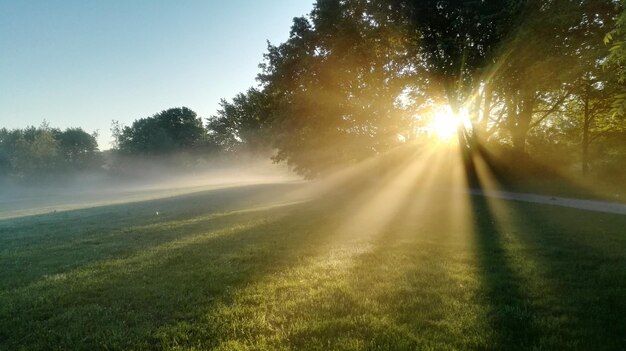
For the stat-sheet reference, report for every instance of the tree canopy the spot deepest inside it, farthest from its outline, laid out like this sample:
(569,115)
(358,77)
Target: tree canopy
(335,85)
(242,125)
(357,78)
(172,130)
(44,151)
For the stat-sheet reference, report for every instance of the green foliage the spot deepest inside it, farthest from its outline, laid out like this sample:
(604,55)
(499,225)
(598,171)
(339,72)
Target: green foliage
(616,42)
(356,77)
(242,125)
(458,40)
(44,152)
(78,148)
(353,74)
(334,86)
(37,152)
(170,131)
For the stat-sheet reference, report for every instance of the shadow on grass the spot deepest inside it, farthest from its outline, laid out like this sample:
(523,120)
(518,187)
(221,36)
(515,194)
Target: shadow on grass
(184,267)
(574,273)
(582,257)
(128,300)
(511,314)
(404,288)
(32,248)
(278,277)
(120,302)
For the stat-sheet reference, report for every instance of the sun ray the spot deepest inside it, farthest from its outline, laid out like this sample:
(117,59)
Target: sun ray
(444,123)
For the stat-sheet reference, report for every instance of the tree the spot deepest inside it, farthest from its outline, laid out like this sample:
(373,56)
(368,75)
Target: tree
(5,152)
(551,36)
(348,81)
(172,130)
(616,39)
(334,86)
(458,42)
(243,123)
(78,148)
(40,152)
(34,151)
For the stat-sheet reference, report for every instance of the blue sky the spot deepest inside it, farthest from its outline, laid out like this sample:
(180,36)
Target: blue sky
(85,63)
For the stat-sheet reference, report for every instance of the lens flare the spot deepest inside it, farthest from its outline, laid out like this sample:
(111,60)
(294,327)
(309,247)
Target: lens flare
(444,124)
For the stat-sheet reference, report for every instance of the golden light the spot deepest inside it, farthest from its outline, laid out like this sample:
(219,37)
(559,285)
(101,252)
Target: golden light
(444,124)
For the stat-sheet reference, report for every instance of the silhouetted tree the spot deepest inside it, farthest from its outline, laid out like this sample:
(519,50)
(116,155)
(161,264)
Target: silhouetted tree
(78,149)
(242,125)
(348,81)
(458,42)
(172,130)
(334,86)
(531,76)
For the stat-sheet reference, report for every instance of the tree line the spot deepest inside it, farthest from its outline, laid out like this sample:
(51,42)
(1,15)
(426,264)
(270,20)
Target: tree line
(45,151)
(176,137)
(536,79)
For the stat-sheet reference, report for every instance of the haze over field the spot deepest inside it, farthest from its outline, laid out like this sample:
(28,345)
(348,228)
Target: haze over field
(153,180)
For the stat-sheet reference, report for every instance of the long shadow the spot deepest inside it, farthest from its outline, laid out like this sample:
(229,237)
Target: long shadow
(127,302)
(162,300)
(510,316)
(580,274)
(124,300)
(341,299)
(582,256)
(395,292)
(32,248)
(401,294)
(521,173)
(131,302)
(510,313)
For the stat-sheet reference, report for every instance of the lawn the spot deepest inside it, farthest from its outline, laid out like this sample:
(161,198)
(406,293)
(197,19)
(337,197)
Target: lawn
(250,268)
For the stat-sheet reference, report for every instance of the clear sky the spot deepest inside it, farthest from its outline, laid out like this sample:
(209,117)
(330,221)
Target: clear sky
(84,63)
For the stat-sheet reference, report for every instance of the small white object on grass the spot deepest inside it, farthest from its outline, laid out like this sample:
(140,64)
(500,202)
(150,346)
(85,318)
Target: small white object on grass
(157,213)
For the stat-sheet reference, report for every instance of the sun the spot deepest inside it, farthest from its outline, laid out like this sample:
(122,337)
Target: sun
(444,124)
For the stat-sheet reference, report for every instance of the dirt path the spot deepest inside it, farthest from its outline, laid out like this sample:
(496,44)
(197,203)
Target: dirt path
(589,205)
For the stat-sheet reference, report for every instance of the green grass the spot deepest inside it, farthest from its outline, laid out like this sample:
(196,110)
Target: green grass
(237,269)
(580,189)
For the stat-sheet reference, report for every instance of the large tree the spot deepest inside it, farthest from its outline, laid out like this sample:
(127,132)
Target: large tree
(459,42)
(347,83)
(334,86)
(531,77)
(172,130)
(78,148)
(243,124)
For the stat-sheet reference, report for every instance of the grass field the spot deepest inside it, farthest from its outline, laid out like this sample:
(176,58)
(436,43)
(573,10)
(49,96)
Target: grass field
(249,268)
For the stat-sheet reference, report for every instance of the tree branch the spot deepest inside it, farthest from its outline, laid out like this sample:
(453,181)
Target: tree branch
(496,124)
(553,109)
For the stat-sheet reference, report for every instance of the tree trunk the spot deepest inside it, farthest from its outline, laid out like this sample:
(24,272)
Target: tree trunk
(486,111)
(465,146)
(585,143)
(522,125)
